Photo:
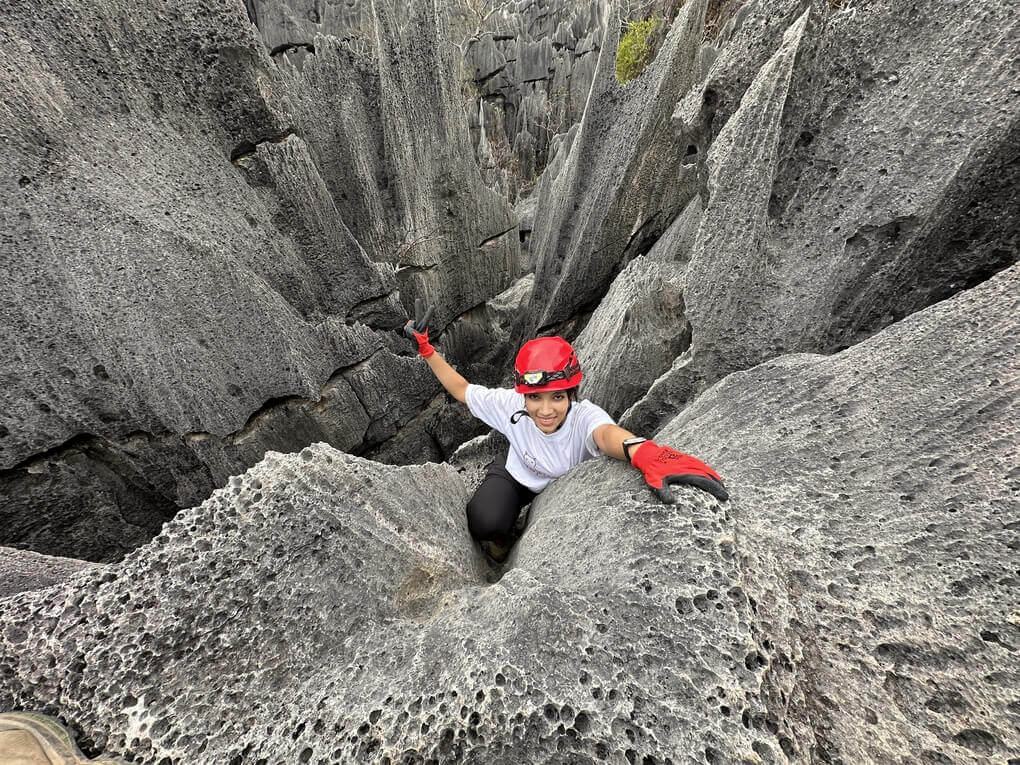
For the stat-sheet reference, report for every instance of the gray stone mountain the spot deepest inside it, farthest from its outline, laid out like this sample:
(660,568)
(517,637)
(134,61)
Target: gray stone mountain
(851,603)
(837,185)
(788,248)
(166,324)
(829,206)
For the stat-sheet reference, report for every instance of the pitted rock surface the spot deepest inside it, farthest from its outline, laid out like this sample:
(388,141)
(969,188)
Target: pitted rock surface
(168,322)
(22,570)
(624,181)
(852,178)
(474,456)
(324,607)
(876,515)
(852,602)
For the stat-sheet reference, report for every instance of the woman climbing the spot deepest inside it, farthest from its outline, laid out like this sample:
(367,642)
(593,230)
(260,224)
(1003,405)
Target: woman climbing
(550,431)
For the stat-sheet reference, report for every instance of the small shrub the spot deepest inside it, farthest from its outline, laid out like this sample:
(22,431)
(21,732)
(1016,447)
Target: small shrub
(636,49)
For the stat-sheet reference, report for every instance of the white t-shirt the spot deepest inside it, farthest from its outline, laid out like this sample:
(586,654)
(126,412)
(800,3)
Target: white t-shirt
(536,458)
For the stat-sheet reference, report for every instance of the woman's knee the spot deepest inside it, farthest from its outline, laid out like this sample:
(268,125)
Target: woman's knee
(490,520)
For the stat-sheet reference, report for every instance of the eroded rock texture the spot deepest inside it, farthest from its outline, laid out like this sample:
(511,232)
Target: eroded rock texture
(521,71)
(532,65)
(344,602)
(625,178)
(877,524)
(851,603)
(166,322)
(852,177)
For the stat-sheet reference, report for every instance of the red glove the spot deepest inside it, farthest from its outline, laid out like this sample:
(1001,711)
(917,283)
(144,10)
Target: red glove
(663,466)
(418,328)
(422,338)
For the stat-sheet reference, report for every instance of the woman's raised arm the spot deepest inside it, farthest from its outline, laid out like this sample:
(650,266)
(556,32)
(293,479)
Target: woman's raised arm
(418,330)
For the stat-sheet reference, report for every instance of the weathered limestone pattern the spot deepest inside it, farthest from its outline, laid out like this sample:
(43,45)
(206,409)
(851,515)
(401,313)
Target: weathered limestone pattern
(532,66)
(875,509)
(346,599)
(626,176)
(168,322)
(854,178)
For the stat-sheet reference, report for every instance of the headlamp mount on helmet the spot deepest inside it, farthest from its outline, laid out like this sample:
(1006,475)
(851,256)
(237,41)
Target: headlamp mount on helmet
(539,377)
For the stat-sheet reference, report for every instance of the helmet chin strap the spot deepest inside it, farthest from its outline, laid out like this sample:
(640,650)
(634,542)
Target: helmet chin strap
(515,417)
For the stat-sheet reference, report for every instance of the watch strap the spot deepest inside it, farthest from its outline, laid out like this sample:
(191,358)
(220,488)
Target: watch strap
(629,442)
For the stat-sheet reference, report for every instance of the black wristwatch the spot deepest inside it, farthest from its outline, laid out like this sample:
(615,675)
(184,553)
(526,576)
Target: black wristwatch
(629,442)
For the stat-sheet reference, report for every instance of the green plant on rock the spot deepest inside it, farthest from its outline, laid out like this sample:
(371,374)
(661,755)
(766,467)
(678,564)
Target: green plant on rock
(637,48)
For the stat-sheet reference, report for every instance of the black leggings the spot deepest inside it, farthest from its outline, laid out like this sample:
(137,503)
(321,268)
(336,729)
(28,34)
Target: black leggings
(493,510)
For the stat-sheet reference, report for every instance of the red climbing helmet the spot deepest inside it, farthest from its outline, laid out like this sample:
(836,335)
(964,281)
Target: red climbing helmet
(546,363)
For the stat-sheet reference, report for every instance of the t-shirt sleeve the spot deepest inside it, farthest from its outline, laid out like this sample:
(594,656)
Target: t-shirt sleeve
(591,416)
(493,406)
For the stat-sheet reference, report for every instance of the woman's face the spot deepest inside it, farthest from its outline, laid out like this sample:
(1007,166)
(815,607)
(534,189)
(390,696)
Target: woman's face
(548,409)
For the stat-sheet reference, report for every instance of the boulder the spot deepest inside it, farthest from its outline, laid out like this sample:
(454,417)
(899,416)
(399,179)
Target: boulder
(167,322)
(23,570)
(874,512)
(323,605)
(851,178)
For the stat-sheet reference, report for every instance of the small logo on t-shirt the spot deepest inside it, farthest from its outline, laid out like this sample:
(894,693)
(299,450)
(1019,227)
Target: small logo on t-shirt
(532,464)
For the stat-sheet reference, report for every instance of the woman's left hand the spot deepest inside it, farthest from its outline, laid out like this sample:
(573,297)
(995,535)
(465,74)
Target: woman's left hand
(663,466)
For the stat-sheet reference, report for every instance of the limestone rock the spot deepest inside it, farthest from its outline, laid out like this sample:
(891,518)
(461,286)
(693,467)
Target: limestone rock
(634,333)
(22,570)
(347,601)
(625,179)
(168,321)
(678,242)
(390,133)
(875,513)
(851,602)
(474,456)
(477,344)
(726,244)
(853,179)
(532,64)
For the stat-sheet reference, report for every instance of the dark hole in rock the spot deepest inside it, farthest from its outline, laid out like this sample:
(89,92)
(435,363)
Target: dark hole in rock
(977,740)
